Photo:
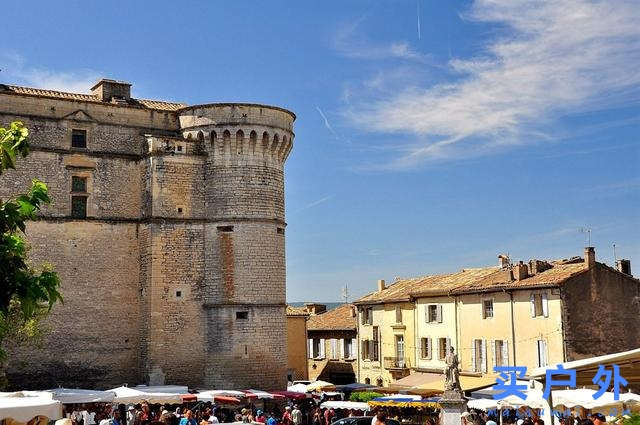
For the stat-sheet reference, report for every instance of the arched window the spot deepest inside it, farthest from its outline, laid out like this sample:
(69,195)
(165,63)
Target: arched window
(226,136)
(265,142)
(200,136)
(214,138)
(239,140)
(276,144)
(367,381)
(253,138)
(379,382)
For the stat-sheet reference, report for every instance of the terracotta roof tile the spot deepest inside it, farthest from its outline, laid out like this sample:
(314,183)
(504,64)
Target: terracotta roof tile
(340,318)
(473,280)
(135,103)
(297,311)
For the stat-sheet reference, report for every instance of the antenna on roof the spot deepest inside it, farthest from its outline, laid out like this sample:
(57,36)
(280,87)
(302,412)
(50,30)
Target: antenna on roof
(345,293)
(586,230)
(615,258)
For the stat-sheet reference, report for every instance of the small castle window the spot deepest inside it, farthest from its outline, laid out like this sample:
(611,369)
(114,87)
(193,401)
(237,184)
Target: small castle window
(241,315)
(78,184)
(225,229)
(280,230)
(178,294)
(79,206)
(179,210)
(79,138)
(179,148)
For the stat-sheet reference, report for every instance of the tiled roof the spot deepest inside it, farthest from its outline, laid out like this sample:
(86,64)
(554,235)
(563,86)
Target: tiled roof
(297,311)
(338,319)
(54,94)
(473,280)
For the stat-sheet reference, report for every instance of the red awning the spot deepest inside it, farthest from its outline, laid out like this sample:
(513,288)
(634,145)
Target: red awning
(187,398)
(226,399)
(262,394)
(290,394)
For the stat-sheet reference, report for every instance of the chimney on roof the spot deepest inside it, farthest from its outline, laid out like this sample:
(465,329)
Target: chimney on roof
(381,286)
(353,311)
(112,91)
(590,256)
(503,261)
(520,271)
(538,266)
(624,266)
(315,308)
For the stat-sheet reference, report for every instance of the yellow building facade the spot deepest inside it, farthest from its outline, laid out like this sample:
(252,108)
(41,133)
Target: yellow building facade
(514,314)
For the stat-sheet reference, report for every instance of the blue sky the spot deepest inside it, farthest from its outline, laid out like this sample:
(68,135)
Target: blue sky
(431,135)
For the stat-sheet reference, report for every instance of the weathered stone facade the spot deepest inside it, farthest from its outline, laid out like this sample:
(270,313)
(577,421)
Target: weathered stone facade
(177,272)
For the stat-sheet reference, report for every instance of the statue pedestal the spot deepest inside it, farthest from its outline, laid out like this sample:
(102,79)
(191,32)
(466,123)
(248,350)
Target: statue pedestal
(453,406)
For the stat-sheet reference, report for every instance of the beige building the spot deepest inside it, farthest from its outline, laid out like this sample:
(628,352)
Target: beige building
(296,344)
(167,229)
(332,345)
(533,314)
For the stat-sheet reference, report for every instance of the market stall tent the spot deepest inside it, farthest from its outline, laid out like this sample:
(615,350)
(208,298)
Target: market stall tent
(23,406)
(355,405)
(75,395)
(131,395)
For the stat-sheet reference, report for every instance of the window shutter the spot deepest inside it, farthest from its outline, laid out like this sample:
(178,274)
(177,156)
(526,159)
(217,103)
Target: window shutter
(447,347)
(426,313)
(473,356)
(372,355)
(505,352)
(484,356)
(310,348)
(439,313)
(545,305)
(322,348)
(363,350)
(341,351)
(334,348)
(484,311)
(353,349)
(493,352)
(533,305)
(429,348)
(544,352)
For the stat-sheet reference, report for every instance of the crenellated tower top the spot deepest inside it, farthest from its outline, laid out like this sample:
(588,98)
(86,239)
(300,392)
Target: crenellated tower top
(236,134)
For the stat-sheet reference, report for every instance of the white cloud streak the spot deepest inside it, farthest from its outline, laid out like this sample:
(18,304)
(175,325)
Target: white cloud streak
(15,69)
(326,122)
(314,203)
(553,58)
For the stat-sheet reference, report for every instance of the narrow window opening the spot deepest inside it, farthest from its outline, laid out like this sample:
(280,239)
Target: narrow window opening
(79,206)
(78,184)
(79,138)
(240,315)
(225,229)
(179,210)
(178,294)
(280,230)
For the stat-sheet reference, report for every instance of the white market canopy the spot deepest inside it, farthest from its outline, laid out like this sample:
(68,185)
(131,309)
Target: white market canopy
(298,388)
(25,405)
(211,395)
(345,405)
(135,395)
(75,395)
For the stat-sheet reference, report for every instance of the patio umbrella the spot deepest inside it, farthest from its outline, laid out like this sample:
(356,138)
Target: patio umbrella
(23,406)
(320,386)
(297,388)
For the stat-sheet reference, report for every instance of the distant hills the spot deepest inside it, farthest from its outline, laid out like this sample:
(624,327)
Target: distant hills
(330,306)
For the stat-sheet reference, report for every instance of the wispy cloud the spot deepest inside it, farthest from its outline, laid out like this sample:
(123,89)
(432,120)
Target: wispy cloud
(15,70)
(351,42)
(553,58)
(326,121)
(314,203)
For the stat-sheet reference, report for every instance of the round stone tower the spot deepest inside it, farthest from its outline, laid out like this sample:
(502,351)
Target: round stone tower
(244,286)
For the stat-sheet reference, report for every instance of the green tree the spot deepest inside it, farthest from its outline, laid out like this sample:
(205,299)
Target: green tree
(26,294)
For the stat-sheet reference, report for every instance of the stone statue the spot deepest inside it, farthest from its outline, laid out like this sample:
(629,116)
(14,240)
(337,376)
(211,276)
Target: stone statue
(451,373)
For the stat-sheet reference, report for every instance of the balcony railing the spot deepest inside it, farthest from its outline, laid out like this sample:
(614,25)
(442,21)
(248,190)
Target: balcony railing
(396,363)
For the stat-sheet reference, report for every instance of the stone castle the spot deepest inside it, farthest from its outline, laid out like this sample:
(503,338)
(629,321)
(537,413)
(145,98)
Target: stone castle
(167,230)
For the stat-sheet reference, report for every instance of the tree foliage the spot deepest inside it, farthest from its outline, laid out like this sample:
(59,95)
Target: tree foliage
(26,294)
(364,396)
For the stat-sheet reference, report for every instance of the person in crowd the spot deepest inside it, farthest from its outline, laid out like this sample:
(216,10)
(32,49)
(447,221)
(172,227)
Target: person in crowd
(465,419)
(491,421)
(328,416)
(381,417)
(260,416)
(188,419)
(272,419)
(374,419)
(169,418)
(598,419)
(538,421)
(178,412)
(286,416)
(317,418)
(213,418)
(116,420)
(296,415)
